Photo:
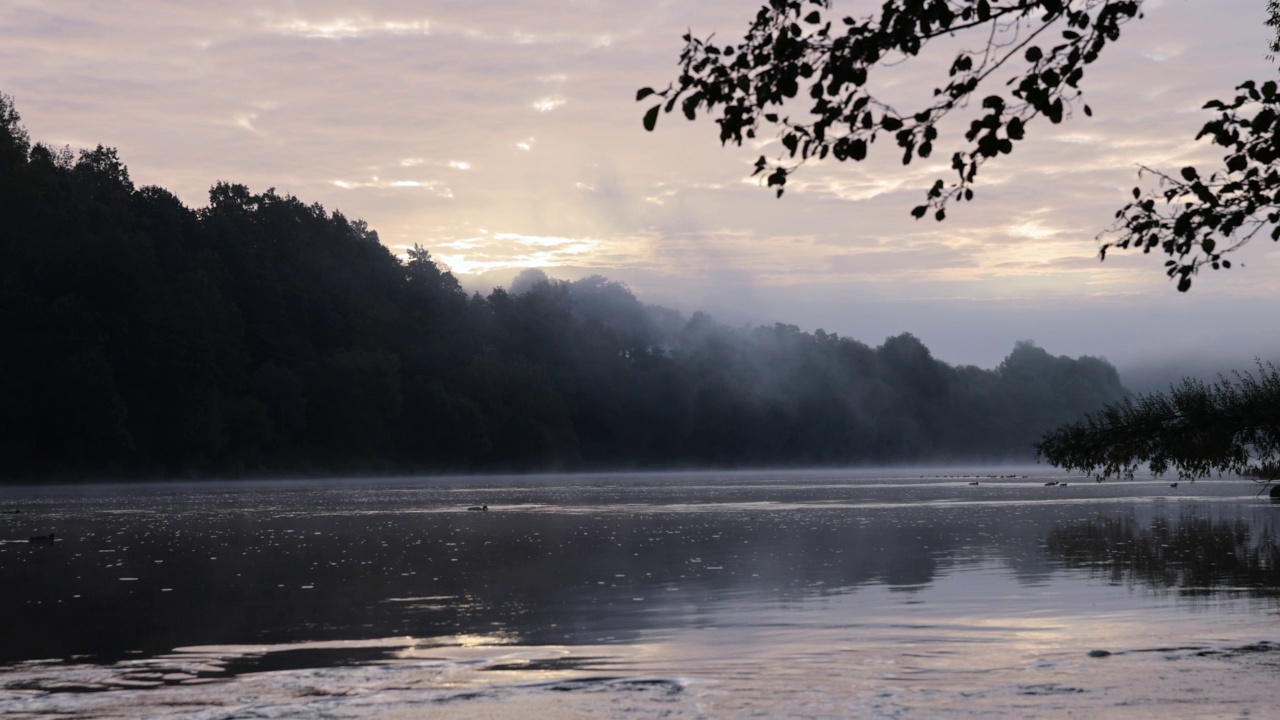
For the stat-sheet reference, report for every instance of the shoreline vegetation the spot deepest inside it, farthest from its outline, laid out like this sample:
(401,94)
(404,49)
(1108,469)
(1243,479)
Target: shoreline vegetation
(264,336)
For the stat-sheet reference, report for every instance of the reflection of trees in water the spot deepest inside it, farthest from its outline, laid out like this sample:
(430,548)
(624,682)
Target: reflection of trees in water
(281,576)
(1190,555)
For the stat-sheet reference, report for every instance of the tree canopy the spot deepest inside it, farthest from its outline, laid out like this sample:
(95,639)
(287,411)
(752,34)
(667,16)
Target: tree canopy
(260,334)
(804,73)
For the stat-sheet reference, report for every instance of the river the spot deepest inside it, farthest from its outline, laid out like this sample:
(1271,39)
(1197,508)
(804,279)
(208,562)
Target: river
(802,594)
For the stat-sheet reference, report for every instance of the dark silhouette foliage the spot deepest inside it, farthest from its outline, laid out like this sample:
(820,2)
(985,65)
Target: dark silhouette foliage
(806,74)
(264,335)
(1195,429)
(1195,219)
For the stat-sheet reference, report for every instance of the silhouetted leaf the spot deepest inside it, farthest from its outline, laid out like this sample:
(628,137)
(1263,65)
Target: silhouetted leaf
(651,117)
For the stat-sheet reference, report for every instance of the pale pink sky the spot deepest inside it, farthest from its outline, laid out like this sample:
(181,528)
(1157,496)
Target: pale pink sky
(502,135)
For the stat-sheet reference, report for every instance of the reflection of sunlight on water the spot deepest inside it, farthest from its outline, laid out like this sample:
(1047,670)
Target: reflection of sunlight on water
(874,677)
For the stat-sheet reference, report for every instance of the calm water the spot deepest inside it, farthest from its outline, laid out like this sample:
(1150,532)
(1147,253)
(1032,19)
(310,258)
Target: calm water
(800,594)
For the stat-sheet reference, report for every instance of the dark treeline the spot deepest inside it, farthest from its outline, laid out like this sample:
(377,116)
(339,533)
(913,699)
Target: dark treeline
(263,335)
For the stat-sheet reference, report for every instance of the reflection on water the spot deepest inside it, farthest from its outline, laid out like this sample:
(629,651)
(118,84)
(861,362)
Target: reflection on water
(1190,554)
(791,595)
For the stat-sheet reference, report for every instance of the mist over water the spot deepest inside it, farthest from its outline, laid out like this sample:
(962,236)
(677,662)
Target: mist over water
(1158,375)
(797,594)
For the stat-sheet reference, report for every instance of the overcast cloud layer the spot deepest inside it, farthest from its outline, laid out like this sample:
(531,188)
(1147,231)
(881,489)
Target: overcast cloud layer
(504,134)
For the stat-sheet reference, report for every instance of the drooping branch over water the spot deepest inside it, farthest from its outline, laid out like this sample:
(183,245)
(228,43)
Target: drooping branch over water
(1195,429)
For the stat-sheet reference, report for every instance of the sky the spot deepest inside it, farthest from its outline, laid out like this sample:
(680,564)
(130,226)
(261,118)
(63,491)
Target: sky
(504,134)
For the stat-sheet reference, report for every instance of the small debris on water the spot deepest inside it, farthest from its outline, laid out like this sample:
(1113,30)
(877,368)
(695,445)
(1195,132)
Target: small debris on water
(1099,653)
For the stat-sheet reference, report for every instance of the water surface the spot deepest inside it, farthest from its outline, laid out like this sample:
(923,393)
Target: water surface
(798,594)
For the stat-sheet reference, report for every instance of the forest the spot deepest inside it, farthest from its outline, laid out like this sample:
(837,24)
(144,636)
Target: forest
(264,336)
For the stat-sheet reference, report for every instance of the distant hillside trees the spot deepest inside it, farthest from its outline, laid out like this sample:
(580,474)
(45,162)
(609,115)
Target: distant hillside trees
(264,335)
(1031,57)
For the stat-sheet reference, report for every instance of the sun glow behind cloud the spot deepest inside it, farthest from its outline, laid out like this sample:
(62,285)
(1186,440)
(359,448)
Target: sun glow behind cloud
(506,250)
(436,187)
(547,104)
(343,27)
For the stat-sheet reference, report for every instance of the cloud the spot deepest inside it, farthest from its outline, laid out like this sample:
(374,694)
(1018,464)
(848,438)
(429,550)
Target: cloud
(432,120)
(435,187)
(508,250)
(347,27)
(547,104)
